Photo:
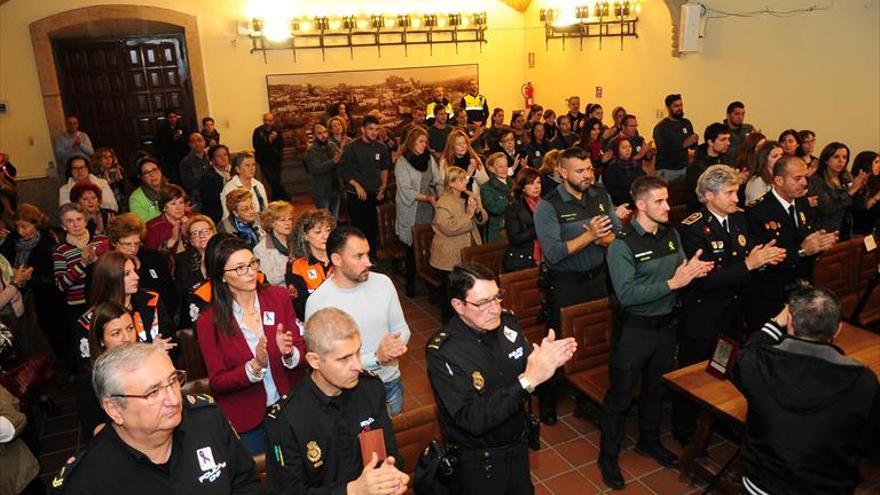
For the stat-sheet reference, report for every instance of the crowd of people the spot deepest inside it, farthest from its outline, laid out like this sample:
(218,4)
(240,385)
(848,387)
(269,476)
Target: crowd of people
(297,332)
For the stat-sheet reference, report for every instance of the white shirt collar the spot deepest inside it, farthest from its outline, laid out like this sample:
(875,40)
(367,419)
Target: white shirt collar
(721,219)
(785,204)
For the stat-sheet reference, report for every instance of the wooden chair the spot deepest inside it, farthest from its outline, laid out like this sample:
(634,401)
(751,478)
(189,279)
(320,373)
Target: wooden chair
(390,247)
(868,269)
(523,296)
(678,193)
(491,255)
(423,234)
(838,269)
(413,431)
(590,324)
(191,355)
(677,213)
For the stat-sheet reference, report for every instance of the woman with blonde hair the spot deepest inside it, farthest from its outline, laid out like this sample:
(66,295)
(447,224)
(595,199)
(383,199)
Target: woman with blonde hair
(338,128)
(273,250)
(457,218)
(459,153)
(550,176)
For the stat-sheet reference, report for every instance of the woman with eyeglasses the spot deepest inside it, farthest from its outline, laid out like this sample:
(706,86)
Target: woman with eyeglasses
(244,171)
(242,218)
(144,201)
(78,171)
(249,338)
(126,233)
(273,250)
(189,267)
(112,326)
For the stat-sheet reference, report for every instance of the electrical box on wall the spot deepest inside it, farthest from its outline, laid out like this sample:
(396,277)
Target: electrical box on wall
(689,29)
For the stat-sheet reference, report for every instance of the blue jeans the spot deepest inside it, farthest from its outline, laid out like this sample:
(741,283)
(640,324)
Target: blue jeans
(330,202)
(394,396)
(255,440)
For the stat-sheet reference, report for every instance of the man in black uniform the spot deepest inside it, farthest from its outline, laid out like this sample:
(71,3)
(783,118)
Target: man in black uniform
(482,370)
(574,224)
(710,305)
(783,214)
(315,432)
(647,266)
(158,441)
(268,147)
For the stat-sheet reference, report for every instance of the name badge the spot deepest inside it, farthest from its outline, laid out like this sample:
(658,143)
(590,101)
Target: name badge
(378,157)
(268,317)
(312,273)
(153,273)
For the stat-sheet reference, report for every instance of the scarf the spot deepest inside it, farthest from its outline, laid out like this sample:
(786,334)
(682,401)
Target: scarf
(280,246)
(152,194)
(418,162)
(24,247)
(463,161)
(532,203)
(245,230)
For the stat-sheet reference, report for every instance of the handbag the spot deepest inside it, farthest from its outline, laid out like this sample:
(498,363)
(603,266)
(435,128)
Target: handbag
(434,470)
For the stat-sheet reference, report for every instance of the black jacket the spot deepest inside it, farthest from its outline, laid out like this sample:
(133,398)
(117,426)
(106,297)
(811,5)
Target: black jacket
(618,178)
(521,236)
(210,186)
(700,163)
(812,414)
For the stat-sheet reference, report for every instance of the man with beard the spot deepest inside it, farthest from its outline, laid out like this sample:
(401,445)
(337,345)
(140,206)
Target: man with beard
(314,432)
(482,371)
(268,146)
(716,141)
(157,441)
(371,299)
(710,306)
(439,98)
(647,267)
(321,161)
(739,130)
(630,130)
(673,136)
(783,214)
(574,224)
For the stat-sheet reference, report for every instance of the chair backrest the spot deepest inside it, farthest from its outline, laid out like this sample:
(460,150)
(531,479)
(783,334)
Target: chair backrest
(678,193)
(387,215)
(191,354)
(677,213)
(523,296)
(423,234)
(590,324)
(868,266)
(838,270)
(491,255)
(413,431)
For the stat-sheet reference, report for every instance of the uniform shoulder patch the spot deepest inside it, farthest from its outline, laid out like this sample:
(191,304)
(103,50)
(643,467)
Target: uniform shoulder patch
(275,409)
(693,218)
(195,401)
(63,475)
(437,340)
(508,312)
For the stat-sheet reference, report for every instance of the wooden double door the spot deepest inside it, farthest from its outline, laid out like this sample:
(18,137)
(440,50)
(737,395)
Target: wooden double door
(122,88)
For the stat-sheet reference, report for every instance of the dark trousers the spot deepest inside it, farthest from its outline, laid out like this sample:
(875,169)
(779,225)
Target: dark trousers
(639,353)
(364,216)
(272,173)
(567,289)
(502,471)
(446,310)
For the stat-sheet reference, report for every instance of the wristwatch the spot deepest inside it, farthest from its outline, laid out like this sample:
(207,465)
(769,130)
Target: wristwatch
(525,383)
(802,253)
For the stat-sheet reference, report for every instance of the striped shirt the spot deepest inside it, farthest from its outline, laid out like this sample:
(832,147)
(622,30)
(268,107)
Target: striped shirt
(70,274)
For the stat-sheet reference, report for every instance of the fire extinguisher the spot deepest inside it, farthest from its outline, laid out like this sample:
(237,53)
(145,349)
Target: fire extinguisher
(528,92)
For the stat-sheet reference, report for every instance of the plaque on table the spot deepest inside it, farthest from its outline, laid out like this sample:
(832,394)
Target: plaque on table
(372,441)
(722,357)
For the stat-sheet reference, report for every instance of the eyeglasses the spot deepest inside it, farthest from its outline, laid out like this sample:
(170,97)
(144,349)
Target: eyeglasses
(201,233)
(130,245)
(152,396)
(485,304)
(150,172)
(242,270)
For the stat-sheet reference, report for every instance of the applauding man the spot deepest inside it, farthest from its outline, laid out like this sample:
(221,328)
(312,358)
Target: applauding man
(482,371)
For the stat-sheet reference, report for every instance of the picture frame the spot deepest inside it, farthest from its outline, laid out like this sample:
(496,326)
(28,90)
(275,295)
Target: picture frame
(723,355)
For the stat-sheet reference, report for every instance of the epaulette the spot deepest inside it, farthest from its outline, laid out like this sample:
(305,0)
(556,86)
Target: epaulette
(507,312)
(693,218)
(275,409)
(59,479)
(739,210)
(196,401)
(438,340)
(758,200)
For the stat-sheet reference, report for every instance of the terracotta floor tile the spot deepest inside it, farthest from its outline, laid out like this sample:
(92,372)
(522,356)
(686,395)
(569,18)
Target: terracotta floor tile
(541,489)
(558,433)
(579,425)
(571,483)
(578,452)
(665,482)
(633,488)
(636,464)
(546,463)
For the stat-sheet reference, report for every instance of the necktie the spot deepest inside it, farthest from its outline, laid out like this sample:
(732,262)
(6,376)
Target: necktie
(792,214)
(724,225)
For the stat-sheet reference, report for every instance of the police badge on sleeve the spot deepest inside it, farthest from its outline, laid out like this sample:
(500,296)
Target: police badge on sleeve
(211,470)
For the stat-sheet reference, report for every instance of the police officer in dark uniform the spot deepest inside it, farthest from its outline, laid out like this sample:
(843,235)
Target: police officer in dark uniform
(315,434)
(710,305)
(482,371)
(158,441)
(783,214)
(574,224)
(647,266)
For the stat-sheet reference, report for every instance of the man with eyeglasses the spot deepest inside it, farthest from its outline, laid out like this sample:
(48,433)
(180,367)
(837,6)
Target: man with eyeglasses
(482,371)
(574,224)
(158,441)
(630,130)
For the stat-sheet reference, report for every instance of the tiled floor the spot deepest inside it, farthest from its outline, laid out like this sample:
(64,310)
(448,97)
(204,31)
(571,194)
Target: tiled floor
(565,465)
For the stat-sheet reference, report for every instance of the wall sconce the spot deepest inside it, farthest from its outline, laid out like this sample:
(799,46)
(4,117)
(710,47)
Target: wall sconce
(605,19)
(350,31)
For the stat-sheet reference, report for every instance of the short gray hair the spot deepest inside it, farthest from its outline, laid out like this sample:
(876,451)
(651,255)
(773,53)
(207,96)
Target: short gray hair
(714,178)
(109,369)
(815,313)
(327,326)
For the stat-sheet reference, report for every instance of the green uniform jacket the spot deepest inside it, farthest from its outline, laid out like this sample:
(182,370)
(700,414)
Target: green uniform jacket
(494,195)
